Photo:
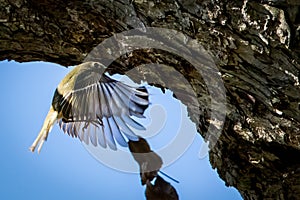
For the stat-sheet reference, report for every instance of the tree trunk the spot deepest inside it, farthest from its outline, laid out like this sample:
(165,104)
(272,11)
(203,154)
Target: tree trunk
(256,48)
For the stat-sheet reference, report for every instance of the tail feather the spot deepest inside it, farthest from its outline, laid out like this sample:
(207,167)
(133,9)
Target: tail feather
(46,128)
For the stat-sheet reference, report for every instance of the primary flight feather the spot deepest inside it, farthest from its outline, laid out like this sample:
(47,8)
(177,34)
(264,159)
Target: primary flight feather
(95,108)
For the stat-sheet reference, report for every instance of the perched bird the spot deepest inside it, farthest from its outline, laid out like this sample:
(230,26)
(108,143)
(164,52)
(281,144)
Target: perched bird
(161,190)
(149,161)
(95,108)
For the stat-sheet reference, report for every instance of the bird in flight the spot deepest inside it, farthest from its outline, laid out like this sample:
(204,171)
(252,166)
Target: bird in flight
(95,108)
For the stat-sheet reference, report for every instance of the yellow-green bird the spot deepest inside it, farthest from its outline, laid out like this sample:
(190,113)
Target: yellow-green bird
(95,108)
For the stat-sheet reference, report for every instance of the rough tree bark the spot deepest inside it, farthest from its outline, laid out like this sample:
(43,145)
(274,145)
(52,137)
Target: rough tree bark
(256,45)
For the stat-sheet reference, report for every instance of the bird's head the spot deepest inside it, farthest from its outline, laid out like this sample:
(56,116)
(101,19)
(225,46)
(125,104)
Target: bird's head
(81,76)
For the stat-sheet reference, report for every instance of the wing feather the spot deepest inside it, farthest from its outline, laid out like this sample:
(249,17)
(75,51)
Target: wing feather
(116,132)
(131,122)
(101,137)
(109,135)
(93,135)
(125,129)
(100,111)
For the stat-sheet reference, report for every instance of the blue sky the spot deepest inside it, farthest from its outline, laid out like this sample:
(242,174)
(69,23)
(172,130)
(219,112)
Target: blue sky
(64,169)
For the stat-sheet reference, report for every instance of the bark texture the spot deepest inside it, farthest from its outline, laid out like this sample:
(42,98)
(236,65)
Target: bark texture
(255,44)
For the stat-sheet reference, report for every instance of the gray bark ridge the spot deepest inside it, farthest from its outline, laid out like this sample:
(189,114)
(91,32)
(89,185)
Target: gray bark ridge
(255,44)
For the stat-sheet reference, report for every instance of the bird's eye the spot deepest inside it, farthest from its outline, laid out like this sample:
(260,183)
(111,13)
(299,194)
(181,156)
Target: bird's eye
(96,64)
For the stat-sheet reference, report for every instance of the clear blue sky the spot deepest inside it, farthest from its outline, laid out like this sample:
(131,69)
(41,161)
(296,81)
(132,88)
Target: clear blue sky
(65,169)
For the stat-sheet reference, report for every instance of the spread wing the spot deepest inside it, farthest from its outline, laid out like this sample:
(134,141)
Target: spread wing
(100,112)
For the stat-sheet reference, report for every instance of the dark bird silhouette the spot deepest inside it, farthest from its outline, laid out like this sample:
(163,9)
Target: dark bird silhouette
(161,190)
